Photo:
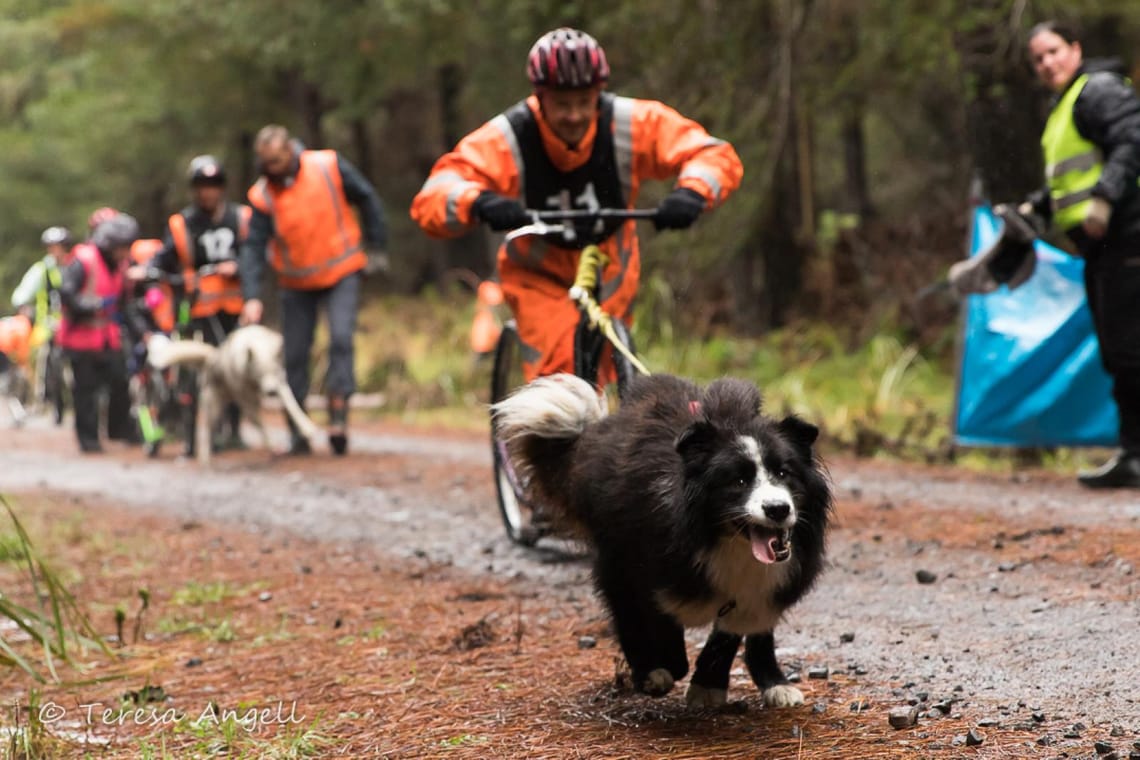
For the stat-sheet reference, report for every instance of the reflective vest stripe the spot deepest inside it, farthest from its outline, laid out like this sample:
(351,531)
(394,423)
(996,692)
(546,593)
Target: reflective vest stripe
(623,144)
(323,161)
(1075,164)
(295,271)
(503,124)
(1072,199)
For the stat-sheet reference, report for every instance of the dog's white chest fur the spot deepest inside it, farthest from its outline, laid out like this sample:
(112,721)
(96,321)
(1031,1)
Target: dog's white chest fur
(743,601)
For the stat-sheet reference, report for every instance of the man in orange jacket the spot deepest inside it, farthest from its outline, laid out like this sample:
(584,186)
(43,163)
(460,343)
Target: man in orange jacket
(572,145)
(302,210)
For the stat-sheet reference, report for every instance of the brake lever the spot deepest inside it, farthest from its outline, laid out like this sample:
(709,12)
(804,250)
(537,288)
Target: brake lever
(537,227)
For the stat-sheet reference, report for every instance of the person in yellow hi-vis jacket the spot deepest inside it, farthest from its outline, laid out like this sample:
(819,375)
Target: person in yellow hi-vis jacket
(1091,147)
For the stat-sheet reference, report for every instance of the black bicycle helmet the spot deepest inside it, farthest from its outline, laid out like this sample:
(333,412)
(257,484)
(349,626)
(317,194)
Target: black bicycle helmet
(206,170)
(117,232)
(56,236)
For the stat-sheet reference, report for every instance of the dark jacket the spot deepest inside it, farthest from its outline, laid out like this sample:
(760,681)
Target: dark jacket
(1107,114)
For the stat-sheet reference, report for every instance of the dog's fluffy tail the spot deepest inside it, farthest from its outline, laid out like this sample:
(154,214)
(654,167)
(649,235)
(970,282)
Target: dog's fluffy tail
(541,423)
(305,426)
(161,352)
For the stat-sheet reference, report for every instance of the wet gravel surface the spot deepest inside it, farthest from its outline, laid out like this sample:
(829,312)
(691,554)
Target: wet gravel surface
(1027,613)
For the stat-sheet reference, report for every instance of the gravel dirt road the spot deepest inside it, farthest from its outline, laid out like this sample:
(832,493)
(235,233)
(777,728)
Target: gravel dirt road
(1028,620)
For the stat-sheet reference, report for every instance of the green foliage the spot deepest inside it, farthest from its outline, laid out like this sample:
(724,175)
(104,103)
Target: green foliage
(195,593)
(102,102)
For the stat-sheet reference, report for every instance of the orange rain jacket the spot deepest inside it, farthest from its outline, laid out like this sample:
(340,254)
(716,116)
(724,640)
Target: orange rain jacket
(650,140)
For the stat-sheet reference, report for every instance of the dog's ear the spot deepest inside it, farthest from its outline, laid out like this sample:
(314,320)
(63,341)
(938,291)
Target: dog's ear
(696,439)
(800,433)
(731,399)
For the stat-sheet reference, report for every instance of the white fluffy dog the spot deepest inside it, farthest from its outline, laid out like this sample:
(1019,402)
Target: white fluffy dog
(243,370)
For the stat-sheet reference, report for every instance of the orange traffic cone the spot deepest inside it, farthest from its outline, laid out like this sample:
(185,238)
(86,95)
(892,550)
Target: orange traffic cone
(16,339)
(485,327)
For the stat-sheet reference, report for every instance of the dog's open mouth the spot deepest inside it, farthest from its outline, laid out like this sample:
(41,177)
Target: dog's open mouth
(768,544)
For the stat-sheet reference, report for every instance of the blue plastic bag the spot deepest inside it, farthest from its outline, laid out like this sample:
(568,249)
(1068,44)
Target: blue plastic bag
(1030,372)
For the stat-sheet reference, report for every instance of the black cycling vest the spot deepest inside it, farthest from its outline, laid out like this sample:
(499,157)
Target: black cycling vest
(212,242)
(594,184)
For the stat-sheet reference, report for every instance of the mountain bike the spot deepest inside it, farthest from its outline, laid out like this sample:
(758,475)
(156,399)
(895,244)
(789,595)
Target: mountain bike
(597,329)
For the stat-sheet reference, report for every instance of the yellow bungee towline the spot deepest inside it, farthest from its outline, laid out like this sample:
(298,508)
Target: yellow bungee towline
(590,265)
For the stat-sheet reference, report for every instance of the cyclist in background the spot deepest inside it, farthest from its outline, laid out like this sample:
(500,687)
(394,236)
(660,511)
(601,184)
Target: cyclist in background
(92,294)
(571,145)
(209,232)
(37,298)
(37,295)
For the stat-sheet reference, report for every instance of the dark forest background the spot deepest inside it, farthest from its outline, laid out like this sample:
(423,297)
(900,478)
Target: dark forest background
(861,123)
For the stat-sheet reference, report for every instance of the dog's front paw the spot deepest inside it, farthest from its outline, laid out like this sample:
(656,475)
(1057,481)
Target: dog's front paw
(658,683)
(783,695)
(703,697)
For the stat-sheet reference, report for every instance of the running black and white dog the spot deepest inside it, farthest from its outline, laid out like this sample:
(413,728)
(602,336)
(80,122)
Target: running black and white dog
(700,510)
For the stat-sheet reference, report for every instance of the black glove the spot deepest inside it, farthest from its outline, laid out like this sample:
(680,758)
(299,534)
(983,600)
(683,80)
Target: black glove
(1014,246)
(500,213)
(679,209)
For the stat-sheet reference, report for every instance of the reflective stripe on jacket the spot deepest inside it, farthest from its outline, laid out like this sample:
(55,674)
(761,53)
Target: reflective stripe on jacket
(317,239)
(100,332)
(1072,163)
(214,292)
(47,297)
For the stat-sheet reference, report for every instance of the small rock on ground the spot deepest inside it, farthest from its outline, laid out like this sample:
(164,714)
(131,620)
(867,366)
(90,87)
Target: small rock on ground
(903,717)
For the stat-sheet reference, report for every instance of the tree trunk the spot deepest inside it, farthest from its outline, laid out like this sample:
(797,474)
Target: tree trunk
(362,148)
(308,107)
(1004,115)
(450,78)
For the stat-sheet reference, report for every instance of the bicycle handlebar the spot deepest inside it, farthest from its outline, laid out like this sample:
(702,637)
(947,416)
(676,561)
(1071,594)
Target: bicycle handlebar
(585,213)
(154,274)
(543,218)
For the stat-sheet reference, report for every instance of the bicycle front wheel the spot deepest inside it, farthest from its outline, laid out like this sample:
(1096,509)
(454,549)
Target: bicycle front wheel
(506,376)
(55,384)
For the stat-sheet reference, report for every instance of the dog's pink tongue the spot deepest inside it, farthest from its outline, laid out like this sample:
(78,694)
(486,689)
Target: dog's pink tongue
(764,548)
